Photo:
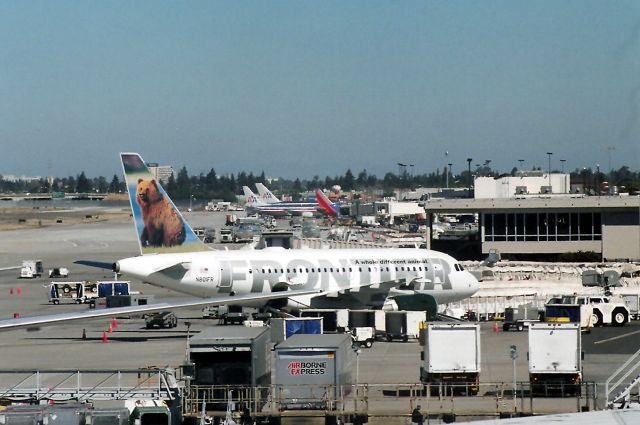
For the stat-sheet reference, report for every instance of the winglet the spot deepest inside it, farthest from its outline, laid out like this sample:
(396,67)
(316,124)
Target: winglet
(325,203)
(159,225)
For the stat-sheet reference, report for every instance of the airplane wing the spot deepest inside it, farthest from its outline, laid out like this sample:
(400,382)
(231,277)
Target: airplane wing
(35,321)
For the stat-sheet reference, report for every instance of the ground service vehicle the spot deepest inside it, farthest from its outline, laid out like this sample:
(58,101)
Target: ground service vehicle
(451,358)
(606,310)
(566,310)
(555,358)
(363,335)
(163,319)
(520,317)
(31,269)
(632,301)
(72,291)
(226,236)
(58,272)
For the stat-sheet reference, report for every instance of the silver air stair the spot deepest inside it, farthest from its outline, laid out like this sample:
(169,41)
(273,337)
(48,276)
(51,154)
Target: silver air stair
(627,393)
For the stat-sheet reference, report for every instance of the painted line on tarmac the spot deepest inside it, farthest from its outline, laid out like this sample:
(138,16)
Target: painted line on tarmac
(616,337)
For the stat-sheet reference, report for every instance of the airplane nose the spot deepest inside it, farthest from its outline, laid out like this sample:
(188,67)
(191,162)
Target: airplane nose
(474,285)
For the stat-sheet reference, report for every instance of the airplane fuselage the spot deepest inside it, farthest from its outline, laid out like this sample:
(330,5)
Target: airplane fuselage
(210,274)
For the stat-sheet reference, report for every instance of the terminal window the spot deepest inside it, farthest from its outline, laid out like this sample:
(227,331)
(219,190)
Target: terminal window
(542,227)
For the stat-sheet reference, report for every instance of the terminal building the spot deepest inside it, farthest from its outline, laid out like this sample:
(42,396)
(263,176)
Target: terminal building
(537,216)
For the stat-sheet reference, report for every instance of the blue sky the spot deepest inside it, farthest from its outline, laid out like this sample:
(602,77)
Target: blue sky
(304,88)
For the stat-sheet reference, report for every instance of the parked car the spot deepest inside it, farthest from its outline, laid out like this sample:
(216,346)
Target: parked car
(163,319)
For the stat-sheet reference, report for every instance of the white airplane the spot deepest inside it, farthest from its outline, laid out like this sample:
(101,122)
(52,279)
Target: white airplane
(173,257)
(258,205)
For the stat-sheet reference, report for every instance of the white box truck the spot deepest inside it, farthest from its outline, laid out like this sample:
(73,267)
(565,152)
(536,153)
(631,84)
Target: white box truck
(555,358)
(451,358)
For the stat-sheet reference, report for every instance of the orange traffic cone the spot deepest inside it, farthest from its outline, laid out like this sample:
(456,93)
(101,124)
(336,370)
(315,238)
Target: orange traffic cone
(114,323)
(110,329)
(104,337)
(495,327)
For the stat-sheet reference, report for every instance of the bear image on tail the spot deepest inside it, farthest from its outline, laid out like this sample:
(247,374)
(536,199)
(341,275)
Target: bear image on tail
(162,224)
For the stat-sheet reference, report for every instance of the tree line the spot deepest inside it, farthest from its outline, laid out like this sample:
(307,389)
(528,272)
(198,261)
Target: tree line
(182,186)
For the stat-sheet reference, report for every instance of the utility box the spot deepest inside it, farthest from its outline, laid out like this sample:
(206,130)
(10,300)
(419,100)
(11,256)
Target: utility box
(314,371)
(451,357)
(283,328)
(555,358)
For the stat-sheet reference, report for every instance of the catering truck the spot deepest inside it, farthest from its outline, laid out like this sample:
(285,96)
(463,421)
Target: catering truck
(555,359)
(451,358)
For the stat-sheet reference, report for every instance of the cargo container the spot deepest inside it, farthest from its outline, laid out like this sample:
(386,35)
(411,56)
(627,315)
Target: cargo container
(403,325)
(314,371)
(520,317)
(128,300)
(151,415)
(451,358)
(108,416)
(333,320)
(632,300)
(231,355)
(23,415)
(555,358)
(283,328)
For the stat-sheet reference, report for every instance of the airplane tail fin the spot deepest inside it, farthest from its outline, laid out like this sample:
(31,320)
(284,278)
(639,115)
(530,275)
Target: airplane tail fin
(266,195)
(159,225)
(325,203)
(250,198)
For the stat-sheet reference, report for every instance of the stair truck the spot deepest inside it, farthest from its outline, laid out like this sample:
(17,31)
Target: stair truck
(555,359)
(451,358)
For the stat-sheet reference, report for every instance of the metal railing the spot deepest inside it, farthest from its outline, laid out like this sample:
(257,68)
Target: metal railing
(488,400)
(81,385)
(621,377)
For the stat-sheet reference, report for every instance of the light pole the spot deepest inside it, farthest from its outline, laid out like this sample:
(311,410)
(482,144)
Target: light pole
(562,161)
(549,155)
(469,163)
(514,355)
(521,161)
(449,172)
(357,351)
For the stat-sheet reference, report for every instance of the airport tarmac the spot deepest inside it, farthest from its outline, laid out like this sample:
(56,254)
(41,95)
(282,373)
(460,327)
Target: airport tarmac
(130,345)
